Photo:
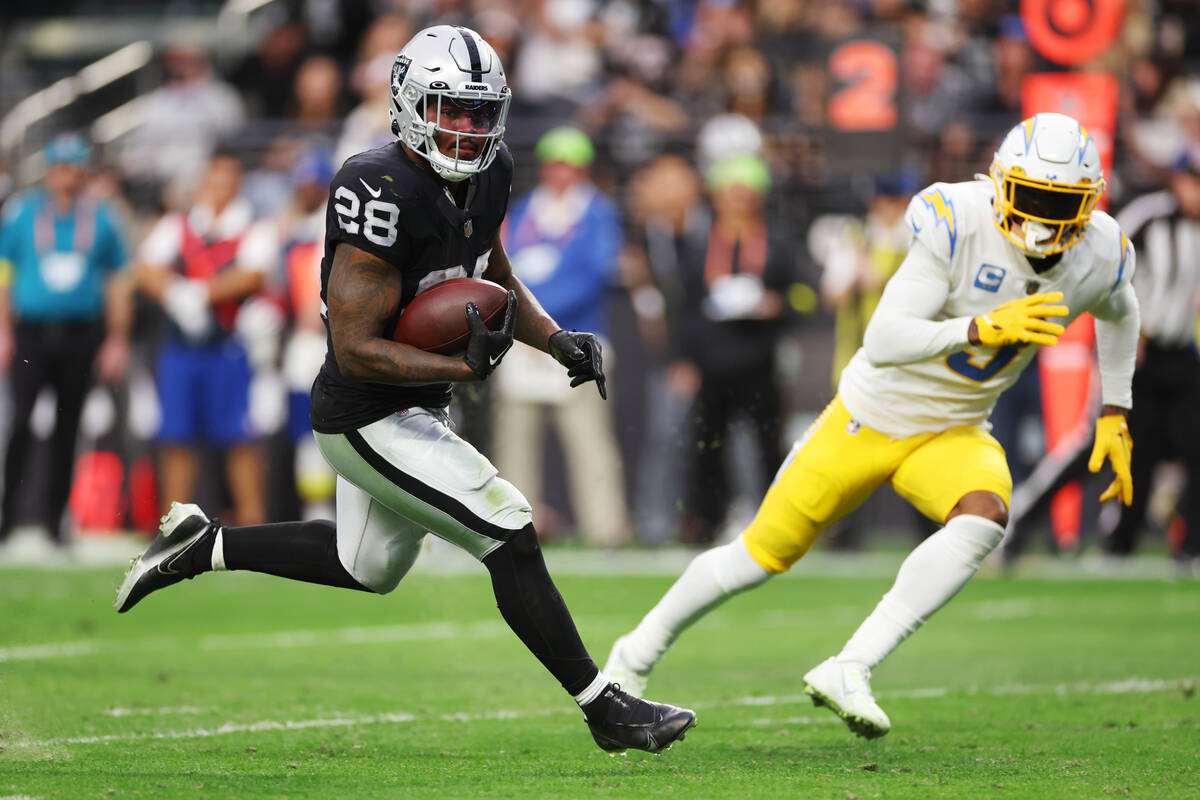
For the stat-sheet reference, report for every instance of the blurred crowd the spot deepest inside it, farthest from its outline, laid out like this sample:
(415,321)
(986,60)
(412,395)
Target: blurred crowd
(736,175)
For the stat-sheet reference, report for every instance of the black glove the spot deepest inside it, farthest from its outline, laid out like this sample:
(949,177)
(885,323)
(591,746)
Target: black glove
(580,354)
(486,347)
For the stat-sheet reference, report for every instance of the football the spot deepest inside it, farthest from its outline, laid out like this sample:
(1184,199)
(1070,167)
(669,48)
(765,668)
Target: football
(436,320)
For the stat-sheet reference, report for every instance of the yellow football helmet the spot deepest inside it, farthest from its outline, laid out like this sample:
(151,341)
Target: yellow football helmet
(1048,178)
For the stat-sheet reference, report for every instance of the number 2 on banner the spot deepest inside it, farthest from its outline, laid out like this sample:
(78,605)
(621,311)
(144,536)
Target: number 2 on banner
(868,102)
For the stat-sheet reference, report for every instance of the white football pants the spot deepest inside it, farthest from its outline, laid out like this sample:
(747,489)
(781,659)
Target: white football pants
(407,475)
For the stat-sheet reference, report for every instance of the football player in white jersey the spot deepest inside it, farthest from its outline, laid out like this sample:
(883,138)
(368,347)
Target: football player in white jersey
(996,268)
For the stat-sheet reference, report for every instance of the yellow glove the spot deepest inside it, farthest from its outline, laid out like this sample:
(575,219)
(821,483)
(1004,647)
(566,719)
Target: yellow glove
(1114,442)
(1022,320)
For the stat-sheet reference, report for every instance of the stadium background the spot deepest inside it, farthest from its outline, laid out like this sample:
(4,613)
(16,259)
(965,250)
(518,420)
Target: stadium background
(1057,679)
(839,97)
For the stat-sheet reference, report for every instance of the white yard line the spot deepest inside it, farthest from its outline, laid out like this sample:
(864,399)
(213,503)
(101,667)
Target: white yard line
(221,730)
(284,725)
(1126,686)
(40,652)
(158,712)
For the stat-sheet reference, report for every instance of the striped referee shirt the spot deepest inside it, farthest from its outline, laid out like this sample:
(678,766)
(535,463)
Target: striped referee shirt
(1167,281)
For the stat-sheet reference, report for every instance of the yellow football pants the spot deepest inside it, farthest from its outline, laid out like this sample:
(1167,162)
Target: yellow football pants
(840,462)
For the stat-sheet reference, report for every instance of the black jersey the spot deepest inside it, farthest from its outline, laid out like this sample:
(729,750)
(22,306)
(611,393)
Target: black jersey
(382,202)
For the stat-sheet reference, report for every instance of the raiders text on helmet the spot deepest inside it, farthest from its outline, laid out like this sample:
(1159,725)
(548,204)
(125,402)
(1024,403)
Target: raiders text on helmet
(1048,178)
(448,75)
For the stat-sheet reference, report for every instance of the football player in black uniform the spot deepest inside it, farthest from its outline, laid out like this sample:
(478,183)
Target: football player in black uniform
(400,219)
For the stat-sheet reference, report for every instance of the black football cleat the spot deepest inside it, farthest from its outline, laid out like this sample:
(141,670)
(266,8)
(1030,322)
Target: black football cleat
(631,723)
(168,559)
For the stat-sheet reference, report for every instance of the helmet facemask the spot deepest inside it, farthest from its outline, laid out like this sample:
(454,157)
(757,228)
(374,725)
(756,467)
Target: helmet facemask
(472,125)
(1040,216)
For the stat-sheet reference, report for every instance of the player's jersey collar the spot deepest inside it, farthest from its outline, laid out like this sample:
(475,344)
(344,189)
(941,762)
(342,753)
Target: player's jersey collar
(440,195)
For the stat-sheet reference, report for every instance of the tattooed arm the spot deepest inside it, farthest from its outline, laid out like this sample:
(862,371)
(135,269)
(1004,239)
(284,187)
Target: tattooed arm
(362,296)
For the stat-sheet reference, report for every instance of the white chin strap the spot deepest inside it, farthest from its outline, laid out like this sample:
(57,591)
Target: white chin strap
(449,174)
(1036,232)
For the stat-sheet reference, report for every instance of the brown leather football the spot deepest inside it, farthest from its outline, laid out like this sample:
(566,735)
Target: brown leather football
(436,319)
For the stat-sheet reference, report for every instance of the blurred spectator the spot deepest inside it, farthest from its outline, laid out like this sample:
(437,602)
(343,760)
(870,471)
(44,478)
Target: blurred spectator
(720,70)
(559,57)
(268,186)
(978,22)
(937,92)
(334,26)
(200,266)
(636,122)
(563,240)
(385,36)
(265,78)
(808,90)
(501,30)
(733,281)
(719,25)
(64,309)
(668,215)
(1148,81)
(747,80)
(837,20)
(955,156)
(1159,137)
(316,110)
(858,257)
(368,125)
(183,121)
(1164,227)
(6,183)
(634,43)
(1012,59)
(302,231)
(1179,17)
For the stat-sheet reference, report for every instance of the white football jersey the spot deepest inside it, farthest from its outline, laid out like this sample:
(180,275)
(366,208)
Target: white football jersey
(981,269)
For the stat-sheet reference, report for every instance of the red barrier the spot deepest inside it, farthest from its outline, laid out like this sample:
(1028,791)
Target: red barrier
(96,500)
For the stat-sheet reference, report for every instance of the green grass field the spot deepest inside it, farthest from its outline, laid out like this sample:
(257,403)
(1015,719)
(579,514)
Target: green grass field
(243,686)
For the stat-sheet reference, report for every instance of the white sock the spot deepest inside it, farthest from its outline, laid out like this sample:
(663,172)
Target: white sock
(711,578)
(218,553)
(593,690)
(928,578)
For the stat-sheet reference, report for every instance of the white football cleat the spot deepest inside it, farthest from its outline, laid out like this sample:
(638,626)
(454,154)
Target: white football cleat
(618,670)
(845,688)
(168,559)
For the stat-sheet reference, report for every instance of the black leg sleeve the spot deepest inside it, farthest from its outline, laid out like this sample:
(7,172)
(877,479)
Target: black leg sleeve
(534,609)
(302,551)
